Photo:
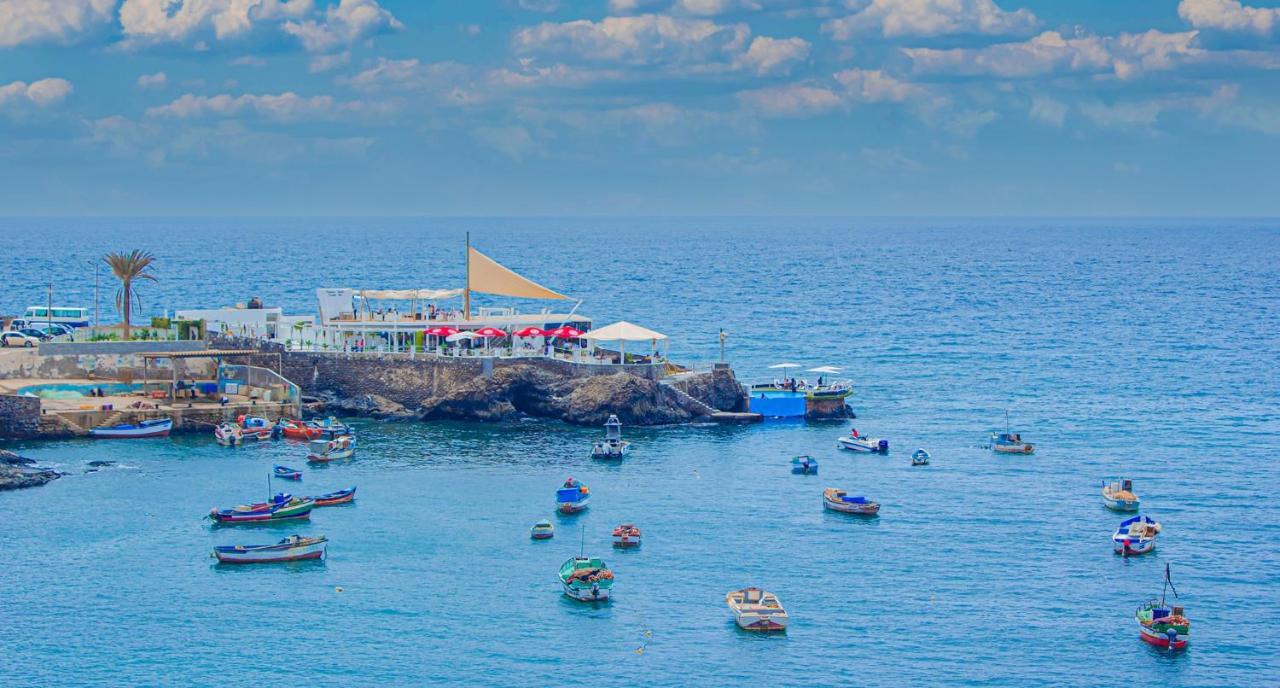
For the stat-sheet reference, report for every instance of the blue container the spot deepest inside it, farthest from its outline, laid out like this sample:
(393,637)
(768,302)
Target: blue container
(778,404)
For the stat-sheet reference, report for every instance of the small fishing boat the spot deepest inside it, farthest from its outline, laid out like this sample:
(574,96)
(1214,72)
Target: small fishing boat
(228,434)
(920,457)
(542,530)
(1009,442)
(334,498)
(292,548)
(572,497)
(324,451)
(1136,535)
(586,579)
(156,427)
(1161,625)
(855,442)
(332,428)
(1118,495)
(626,535)
(286,473)
(756,610)
(282,507)
(253,423)
(296,430)
(839,500)
(804,465)
(612,446)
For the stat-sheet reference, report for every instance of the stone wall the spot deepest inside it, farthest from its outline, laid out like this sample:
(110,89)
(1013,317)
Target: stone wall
(19,416)
(36,364)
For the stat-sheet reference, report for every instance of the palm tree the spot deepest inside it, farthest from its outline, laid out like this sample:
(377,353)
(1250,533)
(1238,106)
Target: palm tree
(128,267)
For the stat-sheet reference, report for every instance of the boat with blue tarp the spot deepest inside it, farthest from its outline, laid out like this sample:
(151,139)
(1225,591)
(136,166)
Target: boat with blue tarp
(282,507)
(572,497)
(1135,535)
(804,465)
(839,500)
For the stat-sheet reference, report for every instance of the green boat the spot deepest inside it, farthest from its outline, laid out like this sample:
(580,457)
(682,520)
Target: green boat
(586,579)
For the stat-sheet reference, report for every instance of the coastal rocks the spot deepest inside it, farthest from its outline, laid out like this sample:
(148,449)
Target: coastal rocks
(372,405)
(636,401)
(718,389)
(17,472)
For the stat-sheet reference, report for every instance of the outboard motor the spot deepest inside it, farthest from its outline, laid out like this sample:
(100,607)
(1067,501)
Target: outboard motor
(883,447)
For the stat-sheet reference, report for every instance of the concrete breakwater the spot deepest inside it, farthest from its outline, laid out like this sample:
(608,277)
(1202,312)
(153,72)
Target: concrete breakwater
(395,386)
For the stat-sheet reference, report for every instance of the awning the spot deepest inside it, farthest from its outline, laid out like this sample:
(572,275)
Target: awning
(490,332)
(531,332)
(441,331)
(488,276)
(623,331)
(410,294)
(565,332)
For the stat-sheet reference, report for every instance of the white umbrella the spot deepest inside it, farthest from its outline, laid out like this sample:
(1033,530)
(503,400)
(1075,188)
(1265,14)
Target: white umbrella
(785,366)
(825,369)
(461,336)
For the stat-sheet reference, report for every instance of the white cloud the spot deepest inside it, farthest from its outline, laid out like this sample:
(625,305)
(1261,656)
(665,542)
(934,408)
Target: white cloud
(544,6)
(286,106)
(874,86)
(176,21)
(894,18)
(33,21)
(1125,56)
(712,8)
(513,141)
(1229,15)
(793,100)
(1048,110)
(324,63)
(643,40)
(42,93)
(157,80)
(345,23)
(159,142)
(767,55)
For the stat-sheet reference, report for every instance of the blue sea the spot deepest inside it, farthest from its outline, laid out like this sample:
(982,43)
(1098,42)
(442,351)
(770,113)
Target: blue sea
(1143,348)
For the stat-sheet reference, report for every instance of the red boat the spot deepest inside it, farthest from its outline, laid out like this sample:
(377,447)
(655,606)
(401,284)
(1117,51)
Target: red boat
(339,497)
(297,430)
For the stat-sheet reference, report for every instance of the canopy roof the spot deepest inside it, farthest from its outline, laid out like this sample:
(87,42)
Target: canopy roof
(623,331)
(785,366)
(410,294)
(488,276)
(825,369)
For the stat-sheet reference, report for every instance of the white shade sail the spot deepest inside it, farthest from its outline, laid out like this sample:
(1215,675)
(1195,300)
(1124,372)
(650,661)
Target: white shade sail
(623,331)
(784,366)
(825,369)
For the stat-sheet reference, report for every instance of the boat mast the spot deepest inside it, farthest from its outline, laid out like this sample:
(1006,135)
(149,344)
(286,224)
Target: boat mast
(1006,421)
(582,541)
(466,293)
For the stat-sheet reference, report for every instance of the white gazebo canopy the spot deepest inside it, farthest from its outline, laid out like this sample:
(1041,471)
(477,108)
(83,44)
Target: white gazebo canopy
(410,294)
(623,331)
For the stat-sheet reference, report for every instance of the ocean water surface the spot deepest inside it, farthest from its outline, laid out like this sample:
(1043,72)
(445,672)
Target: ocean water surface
(1143,348)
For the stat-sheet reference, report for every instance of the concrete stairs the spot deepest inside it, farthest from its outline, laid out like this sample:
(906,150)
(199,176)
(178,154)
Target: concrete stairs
(52,425)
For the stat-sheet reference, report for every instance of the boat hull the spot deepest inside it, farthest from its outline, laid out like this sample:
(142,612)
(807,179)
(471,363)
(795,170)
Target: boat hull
(863,445)
(298,512)
(848,508)
(542,534)
(335,498)
(590,594)
(625,541)
(1121,504)
(271,555)
(1135,547)
(133,433)
(331,456)
(750,622)
(573,507)
(1153,637)
(1013,449)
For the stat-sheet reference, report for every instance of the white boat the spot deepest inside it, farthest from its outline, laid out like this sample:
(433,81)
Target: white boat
(1118,495)
(1136,535)
(323,451)
(612,446)
(855,442)
(228,434)
(756,610)
(292,548)
(156,427)
(920,457)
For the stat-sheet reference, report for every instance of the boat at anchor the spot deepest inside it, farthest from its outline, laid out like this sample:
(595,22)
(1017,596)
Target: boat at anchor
(804,465)
(336,497)
(336,449)
(1009,442)
(282,507)
(1161,625)
(572,497)
(626,535)
(920,457)
(1136,535)
(756,610)
(1118,495)
(839,500)
(586,579)
(156,427)
(292,548)
(860,443)
(612,446)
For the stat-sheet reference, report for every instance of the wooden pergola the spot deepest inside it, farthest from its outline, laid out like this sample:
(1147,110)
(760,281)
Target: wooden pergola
(218,354)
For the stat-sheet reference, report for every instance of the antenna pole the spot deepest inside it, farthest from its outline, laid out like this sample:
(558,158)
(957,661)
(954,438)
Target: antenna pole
(466,294)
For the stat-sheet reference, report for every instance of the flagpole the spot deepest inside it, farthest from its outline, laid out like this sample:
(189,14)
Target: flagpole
(466,294)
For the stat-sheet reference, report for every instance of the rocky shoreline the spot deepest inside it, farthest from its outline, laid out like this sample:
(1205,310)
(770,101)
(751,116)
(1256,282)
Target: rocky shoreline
(515,391)
(18,472)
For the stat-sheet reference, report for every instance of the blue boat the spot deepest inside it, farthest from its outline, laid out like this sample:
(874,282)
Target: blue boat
(804,465)
(572,497)
(287,473)
(1135,535)
(920,457)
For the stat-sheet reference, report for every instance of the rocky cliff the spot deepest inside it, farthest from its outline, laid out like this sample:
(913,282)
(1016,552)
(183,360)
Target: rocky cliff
(17,472)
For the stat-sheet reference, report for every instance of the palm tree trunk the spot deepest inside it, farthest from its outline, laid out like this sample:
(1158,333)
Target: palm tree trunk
(127,306)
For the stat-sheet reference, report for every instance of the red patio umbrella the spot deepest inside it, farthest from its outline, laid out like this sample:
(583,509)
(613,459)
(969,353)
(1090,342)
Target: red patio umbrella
(441,331)
(490,332)
(565,332)
(532,332)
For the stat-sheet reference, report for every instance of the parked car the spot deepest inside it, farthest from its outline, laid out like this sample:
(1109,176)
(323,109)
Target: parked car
(38,334)
(55,329)
(12,338)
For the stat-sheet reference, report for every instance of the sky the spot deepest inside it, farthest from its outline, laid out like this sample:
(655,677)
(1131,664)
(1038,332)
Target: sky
(640,107)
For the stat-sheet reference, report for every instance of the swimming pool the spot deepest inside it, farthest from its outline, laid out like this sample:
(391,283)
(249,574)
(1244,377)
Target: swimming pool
(75,391)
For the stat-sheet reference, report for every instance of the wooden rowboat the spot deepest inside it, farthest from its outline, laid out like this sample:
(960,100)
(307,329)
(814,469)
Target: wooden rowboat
(756,610)
(839,500)
(293,509)
(156,427)
(334,498)
(286,473)
(292,548)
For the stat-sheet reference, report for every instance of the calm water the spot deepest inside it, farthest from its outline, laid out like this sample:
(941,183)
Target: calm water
(1142,348)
